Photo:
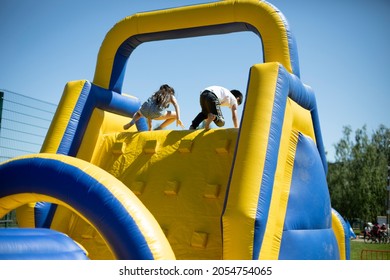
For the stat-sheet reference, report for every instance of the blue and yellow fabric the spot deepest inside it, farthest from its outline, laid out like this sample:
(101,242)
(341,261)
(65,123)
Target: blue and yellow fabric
(153,195)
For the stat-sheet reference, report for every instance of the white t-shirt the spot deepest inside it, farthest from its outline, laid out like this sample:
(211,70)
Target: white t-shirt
(224,95)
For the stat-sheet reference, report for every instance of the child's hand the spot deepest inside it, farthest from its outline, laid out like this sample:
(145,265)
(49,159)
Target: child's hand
(179,123)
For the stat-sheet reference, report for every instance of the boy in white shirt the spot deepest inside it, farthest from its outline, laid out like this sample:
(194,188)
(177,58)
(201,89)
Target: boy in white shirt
(211,100)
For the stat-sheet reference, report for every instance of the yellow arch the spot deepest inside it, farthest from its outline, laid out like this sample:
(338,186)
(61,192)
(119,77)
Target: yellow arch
(240,15)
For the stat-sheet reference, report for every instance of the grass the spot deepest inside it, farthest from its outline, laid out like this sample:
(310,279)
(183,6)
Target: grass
(358,246)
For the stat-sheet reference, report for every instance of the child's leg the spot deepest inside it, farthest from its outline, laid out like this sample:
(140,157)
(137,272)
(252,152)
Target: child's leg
(169,117)
(215,109)
(209,119)
(197,120)
(136,117)
(204,104)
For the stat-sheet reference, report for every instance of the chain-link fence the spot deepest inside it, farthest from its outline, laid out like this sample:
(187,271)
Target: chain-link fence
(24,122)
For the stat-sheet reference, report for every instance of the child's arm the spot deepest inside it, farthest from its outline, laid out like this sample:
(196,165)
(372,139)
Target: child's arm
(234,116)
(177,109)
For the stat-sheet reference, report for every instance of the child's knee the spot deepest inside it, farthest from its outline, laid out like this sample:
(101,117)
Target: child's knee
(219,121)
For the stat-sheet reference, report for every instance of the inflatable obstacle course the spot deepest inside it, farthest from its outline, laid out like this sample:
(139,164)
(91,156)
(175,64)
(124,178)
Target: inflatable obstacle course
(257,192)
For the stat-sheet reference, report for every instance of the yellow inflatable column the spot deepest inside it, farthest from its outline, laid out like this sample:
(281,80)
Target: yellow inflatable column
(244,190)
(65,109)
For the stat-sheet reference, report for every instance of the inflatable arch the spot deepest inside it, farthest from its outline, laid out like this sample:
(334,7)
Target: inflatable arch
(105,202)
(268,198)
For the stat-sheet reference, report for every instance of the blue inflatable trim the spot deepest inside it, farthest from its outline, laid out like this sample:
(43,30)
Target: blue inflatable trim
(91,198)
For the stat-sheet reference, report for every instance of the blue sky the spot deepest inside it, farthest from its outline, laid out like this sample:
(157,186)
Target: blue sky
(343,49)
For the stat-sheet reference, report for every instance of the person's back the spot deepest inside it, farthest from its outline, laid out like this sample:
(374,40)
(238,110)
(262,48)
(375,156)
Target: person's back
(383,230)
(375,230)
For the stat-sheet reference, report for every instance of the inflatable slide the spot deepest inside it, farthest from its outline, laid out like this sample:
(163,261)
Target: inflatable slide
(256,192)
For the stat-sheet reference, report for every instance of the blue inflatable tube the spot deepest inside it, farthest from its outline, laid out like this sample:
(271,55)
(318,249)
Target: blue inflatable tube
(128,228)
(38,244)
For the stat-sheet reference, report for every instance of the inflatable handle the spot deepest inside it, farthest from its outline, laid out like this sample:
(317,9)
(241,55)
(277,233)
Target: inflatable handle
(126,225)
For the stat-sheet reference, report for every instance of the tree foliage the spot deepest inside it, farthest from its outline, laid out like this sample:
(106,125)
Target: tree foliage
(358,178)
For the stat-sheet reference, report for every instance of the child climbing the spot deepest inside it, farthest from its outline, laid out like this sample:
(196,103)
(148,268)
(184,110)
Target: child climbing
(155,108)
(211,100)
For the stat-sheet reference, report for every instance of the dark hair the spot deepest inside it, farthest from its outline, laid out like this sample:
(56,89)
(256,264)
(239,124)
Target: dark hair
(163,95)
(237,94)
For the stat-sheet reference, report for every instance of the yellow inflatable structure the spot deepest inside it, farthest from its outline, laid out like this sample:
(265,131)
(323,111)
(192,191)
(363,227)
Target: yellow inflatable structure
(257,192)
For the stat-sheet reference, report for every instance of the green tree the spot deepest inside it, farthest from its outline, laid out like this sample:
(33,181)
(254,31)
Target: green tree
(357,179)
